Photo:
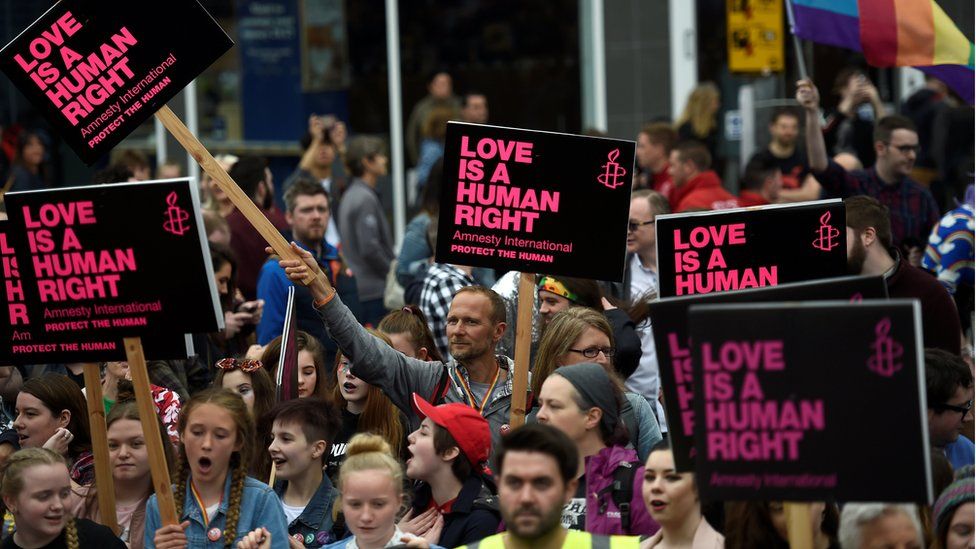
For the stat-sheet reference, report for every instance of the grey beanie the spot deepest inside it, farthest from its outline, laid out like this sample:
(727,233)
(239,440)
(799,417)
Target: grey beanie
(595,388)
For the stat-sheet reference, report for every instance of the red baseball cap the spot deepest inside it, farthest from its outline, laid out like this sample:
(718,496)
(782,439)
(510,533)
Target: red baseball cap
(469,429)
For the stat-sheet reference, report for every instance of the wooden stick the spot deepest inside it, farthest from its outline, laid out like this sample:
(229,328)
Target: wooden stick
(274,473)
(233,191)
(150,430)
(104,487)
(798,525)
(523,344)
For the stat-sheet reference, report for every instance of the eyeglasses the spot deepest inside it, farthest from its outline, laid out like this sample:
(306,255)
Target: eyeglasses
(632,226)
(593,352)
(905,149)
(246,366)
(953,408)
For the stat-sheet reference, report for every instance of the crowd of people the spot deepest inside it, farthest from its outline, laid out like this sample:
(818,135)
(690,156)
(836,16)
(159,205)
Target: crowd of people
(401,434)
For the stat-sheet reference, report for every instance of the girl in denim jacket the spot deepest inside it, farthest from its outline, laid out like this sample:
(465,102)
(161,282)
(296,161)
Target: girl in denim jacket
(216,502)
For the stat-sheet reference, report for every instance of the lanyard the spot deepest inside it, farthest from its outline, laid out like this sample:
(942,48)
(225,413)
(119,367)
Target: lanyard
(203,508)
(491,388)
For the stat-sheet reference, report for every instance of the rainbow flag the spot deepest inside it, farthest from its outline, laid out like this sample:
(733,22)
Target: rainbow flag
(892,33)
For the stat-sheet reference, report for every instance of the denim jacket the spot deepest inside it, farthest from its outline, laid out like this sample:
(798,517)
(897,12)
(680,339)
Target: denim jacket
(315,524)
(259,507)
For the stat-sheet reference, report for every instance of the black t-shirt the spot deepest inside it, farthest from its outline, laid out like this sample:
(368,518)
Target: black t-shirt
(794,167)
(350,426)
(90,534)
(574,513)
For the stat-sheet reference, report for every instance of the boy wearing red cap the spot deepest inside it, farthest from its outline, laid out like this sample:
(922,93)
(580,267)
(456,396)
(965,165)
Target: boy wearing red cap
(449,455)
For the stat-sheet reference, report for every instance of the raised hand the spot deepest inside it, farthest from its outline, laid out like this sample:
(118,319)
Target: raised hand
(297,270)
(316,128)
(807,95)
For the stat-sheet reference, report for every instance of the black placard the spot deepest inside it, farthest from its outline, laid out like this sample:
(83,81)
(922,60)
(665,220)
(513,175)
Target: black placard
(669,319)
(96,264)
(155,347)
(705,252)
(98,69)
(798,406)
(534,201)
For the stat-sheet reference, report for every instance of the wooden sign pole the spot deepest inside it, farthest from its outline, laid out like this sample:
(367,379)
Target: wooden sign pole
(798,525)
(150,430)
(104,487)
(243,202)
(523,344)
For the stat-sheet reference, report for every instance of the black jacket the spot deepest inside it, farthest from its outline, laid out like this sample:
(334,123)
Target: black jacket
(627,344)
(473,517)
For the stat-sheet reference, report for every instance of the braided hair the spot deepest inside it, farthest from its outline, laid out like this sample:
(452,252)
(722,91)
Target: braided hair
(234,505)
(234,405)
(12,481)
(71,534)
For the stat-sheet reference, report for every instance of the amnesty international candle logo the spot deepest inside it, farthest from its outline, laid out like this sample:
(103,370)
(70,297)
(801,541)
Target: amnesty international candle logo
(780,386)
(669,316)
(534,201)
(887,351)
(175,217)
(757,247)
(80,285)
(826,234)
(613,174)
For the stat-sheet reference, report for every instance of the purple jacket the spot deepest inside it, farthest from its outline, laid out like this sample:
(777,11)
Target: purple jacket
(599,475)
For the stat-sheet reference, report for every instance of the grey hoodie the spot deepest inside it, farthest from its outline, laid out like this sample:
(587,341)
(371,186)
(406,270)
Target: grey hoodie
(399,376)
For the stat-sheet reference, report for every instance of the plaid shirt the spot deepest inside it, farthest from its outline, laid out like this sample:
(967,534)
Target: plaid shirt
(913,210)
(440,285)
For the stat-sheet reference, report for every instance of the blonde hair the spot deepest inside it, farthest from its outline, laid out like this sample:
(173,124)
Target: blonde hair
(698,109)
(368,452)
(12,481)
(560,335)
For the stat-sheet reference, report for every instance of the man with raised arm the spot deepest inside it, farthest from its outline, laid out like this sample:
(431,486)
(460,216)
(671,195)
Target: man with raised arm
(474,375)
(913,209)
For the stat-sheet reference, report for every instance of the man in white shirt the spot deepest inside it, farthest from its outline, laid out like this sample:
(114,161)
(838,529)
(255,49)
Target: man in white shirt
(640,277)
(641,282)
